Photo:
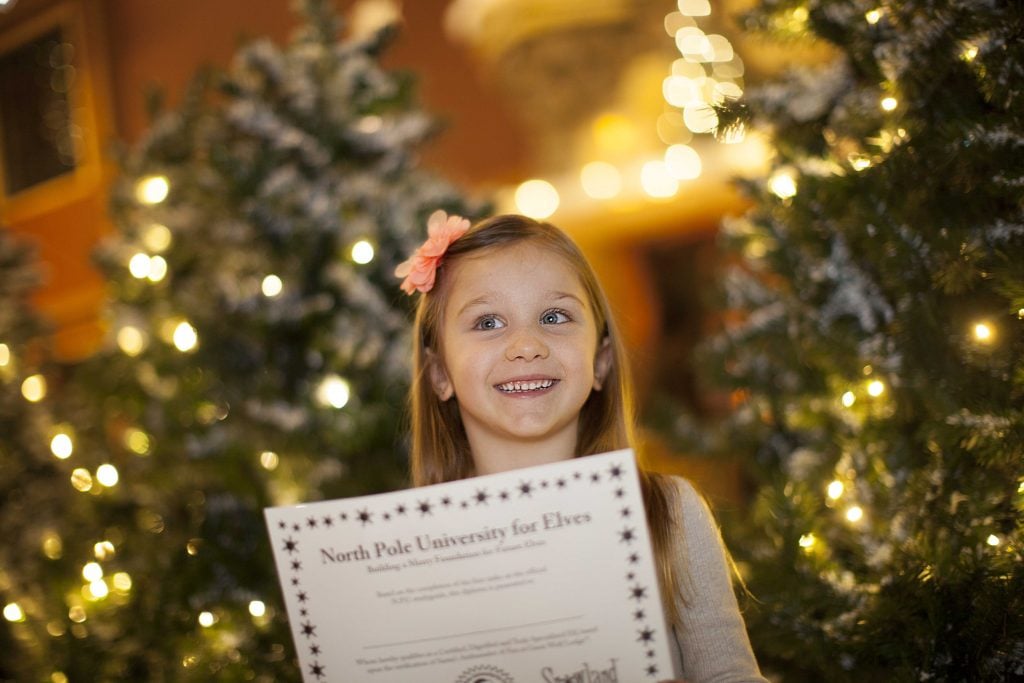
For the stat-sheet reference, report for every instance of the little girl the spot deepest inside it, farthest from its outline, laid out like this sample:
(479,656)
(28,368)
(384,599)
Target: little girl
(517,362)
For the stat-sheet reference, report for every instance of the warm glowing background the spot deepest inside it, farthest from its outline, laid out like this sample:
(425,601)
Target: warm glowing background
(587,111)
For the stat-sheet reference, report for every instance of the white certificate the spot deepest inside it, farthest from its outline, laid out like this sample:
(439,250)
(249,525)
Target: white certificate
(538,574)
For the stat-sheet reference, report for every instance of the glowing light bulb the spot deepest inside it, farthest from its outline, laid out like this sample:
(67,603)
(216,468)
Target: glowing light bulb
(81,479)
(5,355)
(77,614)
(719,49)
(333,391)
(807,541)
(362,252)
(700,118)
(691,42)
(873,16)
(835,489)
(99,589)
(537,198)
(269,460)
(969,52)
(152,189)
(157,268)
(601,180)
(122,582)
(993,540)
(727,90)
(185,337)
(657,181)
(138,266)
(674,21)
(34,388)
(271,286)
(103,550)
(848,399)
(983,332)
(695,8)
(854,513)
(61,445)
(107,475)
(92,571)
(683,162)
(131,340)
(137,441)
(859,162)
(157,237)
(889,103)
(13,612)
(680,91)
(206,619)
(782,184)
(876,388)
(53,547)
(257,608)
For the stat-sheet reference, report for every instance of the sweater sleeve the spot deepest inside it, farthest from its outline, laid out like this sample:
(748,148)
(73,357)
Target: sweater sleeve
(712,637)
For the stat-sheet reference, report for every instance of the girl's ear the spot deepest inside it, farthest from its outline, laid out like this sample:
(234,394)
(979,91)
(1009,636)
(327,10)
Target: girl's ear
(439,379)
(602,362)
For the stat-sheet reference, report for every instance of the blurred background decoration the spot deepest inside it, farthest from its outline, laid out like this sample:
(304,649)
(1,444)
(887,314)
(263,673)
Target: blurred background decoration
(594,114)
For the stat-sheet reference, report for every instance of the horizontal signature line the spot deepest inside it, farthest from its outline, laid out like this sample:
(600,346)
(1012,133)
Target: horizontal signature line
(473,633)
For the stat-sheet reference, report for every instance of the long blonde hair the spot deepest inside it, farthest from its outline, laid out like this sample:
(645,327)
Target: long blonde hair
(439,447)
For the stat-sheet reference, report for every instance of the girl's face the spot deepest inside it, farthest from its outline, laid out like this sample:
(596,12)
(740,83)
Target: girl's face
(520,354)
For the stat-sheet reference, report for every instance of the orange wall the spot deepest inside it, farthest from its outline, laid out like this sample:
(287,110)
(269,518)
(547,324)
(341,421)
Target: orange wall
(163,42)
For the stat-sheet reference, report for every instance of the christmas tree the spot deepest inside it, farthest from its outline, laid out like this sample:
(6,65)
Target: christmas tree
(876,347)
(32,445)
(258,357)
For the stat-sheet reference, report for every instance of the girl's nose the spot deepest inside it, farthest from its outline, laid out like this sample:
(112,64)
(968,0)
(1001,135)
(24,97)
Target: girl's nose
(527,346)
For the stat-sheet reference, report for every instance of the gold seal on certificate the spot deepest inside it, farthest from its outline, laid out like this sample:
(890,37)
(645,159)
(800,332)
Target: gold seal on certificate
(539,574)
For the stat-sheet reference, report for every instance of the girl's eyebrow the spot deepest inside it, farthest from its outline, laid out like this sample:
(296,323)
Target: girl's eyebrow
(566,295)
(478,301)
(487,299)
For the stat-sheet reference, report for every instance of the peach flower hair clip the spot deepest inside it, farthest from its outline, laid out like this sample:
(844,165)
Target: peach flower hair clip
(421,268)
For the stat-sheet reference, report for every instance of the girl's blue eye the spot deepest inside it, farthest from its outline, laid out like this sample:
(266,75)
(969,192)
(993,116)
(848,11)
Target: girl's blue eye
(488,322)
(555,317)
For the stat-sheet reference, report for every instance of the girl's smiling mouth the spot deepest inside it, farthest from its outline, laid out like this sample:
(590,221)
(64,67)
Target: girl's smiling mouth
(523,386)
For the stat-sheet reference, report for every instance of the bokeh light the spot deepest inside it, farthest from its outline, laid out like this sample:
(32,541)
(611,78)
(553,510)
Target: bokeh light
(601,180)
(362,252)
(152,189)
(537,199)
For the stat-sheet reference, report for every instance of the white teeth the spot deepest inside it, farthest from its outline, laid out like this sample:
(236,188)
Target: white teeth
(532,385)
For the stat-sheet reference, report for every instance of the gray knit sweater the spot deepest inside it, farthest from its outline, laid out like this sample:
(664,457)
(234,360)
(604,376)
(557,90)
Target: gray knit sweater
(712,639)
